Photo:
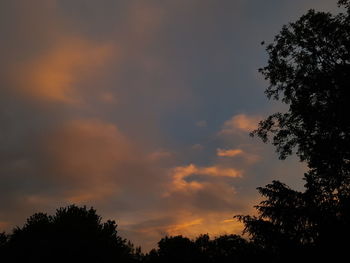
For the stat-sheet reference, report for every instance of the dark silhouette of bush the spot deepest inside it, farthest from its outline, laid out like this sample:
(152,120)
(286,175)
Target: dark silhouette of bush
(177,249)
(72,234)
(3,242)
(226,248)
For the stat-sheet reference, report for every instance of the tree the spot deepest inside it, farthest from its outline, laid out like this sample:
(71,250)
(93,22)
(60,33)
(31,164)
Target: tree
(226,248)
(3,242)
(285,226)
(73,234)
(229,248)
(177,249)
(309,71)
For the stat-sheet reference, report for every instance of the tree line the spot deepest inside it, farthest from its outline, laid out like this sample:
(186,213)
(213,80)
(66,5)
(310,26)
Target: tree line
(308,70)
(77,234)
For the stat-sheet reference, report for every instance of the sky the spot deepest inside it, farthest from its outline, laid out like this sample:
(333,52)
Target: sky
(141,109)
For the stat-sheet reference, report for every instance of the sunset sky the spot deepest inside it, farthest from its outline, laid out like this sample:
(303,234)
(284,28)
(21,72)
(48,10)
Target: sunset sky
(139,108)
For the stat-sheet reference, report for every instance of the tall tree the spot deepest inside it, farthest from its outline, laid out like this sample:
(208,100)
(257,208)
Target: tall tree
(309,71)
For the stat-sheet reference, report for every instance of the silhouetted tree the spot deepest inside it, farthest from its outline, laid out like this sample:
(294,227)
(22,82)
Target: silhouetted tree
(177,249)
(3,242)
(309,70)
(72,234)
(284,227)
(226,248)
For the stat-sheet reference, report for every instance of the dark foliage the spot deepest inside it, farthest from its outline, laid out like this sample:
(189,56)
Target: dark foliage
(73,234)
(77,234)
(227,248)
(309,70)
(3,242)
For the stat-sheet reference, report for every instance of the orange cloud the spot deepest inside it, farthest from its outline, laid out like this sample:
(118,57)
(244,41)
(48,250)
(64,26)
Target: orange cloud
(184,171)
(213,224)
(228,153)
(184,223)
(181,172)
(184,226)
(86,154)
(53,75)
(240,122)
(250,158)
(93,161)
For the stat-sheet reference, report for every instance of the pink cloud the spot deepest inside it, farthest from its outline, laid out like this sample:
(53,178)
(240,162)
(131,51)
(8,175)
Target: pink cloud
(53,75)
(180,173)
(240,123)
(229,152)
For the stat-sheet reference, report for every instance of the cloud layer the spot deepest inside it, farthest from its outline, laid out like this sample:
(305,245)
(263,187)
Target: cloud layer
(140,109)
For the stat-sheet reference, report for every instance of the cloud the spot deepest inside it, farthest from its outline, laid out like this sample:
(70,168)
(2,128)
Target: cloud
(211,223)
(53,75)
(248,157)
(179,183)
(179,228)
(82,161)
(228,153)
(218,171)
(94,161)
(86,155)
(240,123)
(180,173)
(187,224)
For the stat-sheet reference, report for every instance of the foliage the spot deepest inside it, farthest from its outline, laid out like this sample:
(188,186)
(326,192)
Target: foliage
(226,248)
(309,70)
(73,234)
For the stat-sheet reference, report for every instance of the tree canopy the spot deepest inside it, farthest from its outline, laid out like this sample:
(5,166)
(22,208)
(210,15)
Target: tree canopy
(77,234)
(309,71)
(72,234)
(225,248)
